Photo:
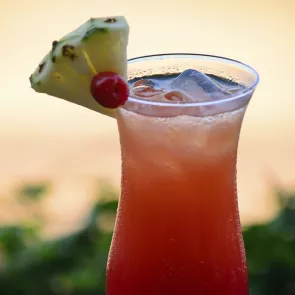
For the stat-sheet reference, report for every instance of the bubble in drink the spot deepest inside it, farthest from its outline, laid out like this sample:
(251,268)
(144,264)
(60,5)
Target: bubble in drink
(201,87)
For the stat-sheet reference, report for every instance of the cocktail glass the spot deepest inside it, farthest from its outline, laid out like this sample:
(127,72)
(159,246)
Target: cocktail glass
(178,230)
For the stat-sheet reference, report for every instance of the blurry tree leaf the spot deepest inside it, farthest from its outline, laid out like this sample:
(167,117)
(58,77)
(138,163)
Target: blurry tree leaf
(15,238)
(102,207)
(284,221)
(106,192)
(270,249)
(33,192)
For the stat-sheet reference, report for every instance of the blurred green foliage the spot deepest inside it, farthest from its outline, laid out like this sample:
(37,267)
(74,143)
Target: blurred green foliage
(75,264)
(270,249)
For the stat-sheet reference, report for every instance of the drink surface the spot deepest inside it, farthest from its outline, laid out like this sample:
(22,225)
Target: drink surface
(177,229)
(165,81)
(189,86)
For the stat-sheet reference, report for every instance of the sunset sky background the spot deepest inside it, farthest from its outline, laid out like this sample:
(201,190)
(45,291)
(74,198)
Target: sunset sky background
(44,138)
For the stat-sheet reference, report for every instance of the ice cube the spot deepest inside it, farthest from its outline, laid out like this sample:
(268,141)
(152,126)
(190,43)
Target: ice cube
(174,96)
(143,82)
(200,86)
(146,92)
(145,89)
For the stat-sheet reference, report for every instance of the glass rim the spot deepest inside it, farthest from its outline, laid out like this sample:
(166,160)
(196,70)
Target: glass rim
(230,98)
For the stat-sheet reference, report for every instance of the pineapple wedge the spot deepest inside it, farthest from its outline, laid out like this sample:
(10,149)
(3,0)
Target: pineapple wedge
(67,70)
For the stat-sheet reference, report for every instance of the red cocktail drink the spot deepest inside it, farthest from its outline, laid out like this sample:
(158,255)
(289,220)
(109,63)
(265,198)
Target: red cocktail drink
(178,230)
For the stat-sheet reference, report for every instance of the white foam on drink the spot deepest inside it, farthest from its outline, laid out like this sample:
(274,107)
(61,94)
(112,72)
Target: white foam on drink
(210,135)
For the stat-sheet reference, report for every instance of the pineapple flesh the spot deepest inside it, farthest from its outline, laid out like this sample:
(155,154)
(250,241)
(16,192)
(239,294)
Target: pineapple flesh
(67,70)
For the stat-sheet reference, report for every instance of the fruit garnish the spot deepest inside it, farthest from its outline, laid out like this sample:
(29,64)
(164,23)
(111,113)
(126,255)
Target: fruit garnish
(109,89)
(99,45)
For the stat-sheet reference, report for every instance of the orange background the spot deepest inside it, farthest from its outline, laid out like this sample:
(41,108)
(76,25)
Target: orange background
(46,138)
